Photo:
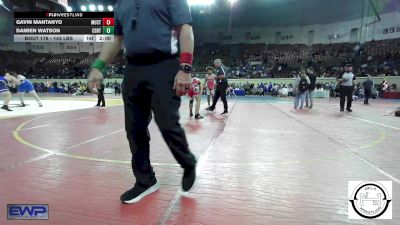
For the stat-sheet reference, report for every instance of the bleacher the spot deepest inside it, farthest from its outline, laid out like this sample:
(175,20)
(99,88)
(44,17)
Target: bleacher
(12,60)
(65,59)
(243,60)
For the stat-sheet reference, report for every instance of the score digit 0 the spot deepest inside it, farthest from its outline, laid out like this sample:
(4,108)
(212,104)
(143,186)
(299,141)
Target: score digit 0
(108,30)
(108,21)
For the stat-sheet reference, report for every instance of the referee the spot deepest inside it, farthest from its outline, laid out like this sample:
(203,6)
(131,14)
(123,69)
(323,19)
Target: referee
(222,85)
(155,80)
(100,95)
(346,88)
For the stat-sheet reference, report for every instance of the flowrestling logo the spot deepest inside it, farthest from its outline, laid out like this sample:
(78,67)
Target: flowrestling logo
(27,211)
(370,200)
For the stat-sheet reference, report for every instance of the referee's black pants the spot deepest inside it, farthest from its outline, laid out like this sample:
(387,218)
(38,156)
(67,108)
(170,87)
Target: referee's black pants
(346,92)
(220,92)
(368,94)
(149,89)
(100,98)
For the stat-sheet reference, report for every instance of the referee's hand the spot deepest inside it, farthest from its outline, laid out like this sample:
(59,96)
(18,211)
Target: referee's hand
(182,83)
(94,79)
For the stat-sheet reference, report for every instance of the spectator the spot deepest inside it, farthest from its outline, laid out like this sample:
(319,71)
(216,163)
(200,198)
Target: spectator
(311,87)
(301,86)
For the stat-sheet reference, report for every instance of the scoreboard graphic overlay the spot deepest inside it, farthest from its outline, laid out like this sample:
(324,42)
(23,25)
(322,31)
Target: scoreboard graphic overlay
(64,26)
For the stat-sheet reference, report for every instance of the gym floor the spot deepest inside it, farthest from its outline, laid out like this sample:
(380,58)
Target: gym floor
(264,163)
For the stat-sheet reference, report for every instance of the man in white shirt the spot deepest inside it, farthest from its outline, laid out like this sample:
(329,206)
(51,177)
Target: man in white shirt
(346,88)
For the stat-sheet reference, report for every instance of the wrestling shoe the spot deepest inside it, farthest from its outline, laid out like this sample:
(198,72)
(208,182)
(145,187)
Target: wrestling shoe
(138,192)
(191,114)
(349,110)
(224,113)
(40,105)
(5,107)
(198,117)
(189,178)
(22,105)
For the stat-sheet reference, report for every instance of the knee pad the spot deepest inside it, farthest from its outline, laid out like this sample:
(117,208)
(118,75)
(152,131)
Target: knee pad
(191,101)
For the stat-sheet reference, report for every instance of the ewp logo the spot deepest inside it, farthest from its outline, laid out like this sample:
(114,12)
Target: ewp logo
(28,212)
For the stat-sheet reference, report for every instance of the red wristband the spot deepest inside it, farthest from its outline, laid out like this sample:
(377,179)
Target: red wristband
(186,57)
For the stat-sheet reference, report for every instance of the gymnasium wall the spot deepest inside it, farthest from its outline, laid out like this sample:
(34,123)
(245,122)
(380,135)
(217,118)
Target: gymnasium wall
(56,48)
(300,34)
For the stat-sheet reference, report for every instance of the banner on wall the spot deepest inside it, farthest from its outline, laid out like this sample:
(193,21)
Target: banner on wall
(253,63)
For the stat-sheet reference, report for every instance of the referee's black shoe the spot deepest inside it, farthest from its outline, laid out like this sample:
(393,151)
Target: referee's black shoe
(189,178)
(5,107)
(138,192)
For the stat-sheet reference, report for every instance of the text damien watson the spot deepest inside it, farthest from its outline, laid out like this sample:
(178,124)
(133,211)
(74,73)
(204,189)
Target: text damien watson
(38,30)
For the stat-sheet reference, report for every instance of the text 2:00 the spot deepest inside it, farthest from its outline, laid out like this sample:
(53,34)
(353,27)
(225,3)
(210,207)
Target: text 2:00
(103,38)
